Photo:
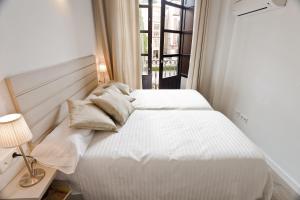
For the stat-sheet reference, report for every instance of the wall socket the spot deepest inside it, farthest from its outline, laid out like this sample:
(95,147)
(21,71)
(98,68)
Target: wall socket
(6,159)
(241,117)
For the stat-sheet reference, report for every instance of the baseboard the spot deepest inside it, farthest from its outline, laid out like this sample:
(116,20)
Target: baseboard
(292,183)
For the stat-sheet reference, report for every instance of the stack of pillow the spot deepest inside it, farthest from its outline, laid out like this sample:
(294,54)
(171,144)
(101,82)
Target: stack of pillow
(106,107)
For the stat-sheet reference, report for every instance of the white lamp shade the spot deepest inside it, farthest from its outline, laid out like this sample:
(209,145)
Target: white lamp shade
(13,131)
(102,68)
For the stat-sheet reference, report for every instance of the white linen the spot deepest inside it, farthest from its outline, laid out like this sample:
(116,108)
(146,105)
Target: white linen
(63,147)
(174,155)
(169,99)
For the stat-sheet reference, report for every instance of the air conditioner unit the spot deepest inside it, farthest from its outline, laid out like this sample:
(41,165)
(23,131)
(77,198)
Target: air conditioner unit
(245,7)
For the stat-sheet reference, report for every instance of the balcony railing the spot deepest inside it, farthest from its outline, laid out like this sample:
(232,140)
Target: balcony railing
(169,70)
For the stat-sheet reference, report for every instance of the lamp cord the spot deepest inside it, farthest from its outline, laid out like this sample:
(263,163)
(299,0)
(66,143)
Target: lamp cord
(15,154)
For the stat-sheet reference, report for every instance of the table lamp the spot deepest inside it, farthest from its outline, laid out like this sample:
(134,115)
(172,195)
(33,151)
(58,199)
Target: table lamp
(14,132)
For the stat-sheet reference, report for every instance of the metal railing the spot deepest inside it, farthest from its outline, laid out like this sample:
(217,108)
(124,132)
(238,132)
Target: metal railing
(169,70)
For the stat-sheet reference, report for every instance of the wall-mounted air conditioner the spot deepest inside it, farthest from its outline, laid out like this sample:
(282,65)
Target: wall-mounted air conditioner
(244,7)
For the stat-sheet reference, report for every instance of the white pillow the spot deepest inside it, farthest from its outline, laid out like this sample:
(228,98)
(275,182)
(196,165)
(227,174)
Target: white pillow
(63,147)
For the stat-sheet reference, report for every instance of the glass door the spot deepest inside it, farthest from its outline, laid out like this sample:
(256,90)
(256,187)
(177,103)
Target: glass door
(186,36)
(171,14)
(145,8)
(176,39)
(165,39)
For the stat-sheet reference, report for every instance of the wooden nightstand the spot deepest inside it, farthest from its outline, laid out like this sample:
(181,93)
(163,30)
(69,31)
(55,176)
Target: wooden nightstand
(36,192)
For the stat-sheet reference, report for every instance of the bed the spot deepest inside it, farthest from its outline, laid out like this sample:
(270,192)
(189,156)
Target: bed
(169,99)
(173,146)
(173,155)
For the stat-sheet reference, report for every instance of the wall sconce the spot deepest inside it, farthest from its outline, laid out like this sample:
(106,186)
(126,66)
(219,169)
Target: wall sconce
(102,70)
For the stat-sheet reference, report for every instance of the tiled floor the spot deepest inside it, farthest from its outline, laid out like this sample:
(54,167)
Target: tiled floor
(282,191)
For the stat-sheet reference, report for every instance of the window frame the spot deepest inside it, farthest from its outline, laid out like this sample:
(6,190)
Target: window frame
(149,32)
(181,33)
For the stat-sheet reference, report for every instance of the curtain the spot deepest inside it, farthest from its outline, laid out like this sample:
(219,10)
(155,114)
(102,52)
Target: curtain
(102,49)
(120,30)
(199,43)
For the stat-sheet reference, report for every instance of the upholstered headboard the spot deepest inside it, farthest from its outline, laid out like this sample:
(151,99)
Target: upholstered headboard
(41,95)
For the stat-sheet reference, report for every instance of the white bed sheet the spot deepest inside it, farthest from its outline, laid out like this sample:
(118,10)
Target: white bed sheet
(169,99)
(173,155)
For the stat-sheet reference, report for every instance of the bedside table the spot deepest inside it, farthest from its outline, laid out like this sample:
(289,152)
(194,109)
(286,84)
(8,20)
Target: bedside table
(36,192)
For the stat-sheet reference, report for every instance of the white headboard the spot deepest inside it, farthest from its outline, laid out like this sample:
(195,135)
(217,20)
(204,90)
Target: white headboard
(41,95)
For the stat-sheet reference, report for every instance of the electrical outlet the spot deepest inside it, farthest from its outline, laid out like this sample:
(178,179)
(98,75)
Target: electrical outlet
(240,116)
(6,159)
(244,118)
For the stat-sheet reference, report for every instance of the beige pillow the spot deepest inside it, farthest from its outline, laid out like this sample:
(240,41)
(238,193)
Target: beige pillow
(99,92)
(112,90)
(129,98)
(100,88)
(116,105)
(125,89)
(85,115)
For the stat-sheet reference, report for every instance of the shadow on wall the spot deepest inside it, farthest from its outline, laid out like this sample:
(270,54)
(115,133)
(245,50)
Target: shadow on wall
(2,2)
(6,105)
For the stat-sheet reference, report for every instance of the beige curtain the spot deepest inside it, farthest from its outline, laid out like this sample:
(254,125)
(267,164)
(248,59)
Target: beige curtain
(102,48)
(119,28)
(199,43)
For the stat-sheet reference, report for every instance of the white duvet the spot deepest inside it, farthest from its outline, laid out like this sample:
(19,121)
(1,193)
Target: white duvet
(174,155)
(169,99)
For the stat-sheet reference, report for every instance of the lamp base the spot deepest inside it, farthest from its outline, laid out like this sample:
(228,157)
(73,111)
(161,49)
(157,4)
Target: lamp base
(28,181)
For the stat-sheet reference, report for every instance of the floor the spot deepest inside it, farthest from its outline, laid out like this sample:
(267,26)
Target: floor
(282,191)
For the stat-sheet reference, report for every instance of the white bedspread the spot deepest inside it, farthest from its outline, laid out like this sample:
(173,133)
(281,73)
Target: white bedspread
(174,155)
(168,99)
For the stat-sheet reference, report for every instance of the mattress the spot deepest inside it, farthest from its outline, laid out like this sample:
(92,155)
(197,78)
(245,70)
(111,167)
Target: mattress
(169,99)
(173,155)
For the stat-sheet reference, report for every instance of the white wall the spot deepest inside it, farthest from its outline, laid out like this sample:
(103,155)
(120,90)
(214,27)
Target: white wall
(218,66)
(263,83)
(36,34)
(183,83)
(6,105)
